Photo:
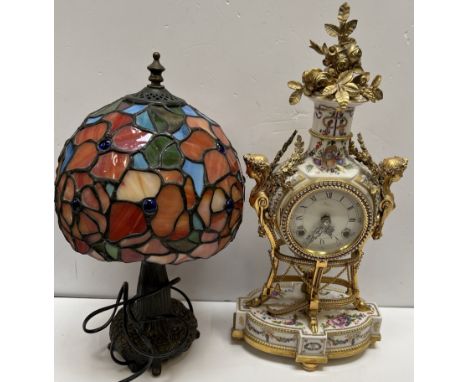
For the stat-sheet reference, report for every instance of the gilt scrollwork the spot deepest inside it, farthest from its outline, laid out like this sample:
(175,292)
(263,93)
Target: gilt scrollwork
(269,177)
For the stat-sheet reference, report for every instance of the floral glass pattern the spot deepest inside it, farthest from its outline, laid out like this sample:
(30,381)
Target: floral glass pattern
(148,182)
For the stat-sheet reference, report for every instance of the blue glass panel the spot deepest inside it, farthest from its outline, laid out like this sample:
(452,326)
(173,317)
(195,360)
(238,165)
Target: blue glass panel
(139,162)
(189,111)
(69,150)
(196,171)
(109,188)
(182,133)
(143,121)
(91,120)
(134,109)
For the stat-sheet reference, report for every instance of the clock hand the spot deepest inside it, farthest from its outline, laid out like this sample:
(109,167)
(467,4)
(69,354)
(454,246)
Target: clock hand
(317,232)
(328,227)
(324,227)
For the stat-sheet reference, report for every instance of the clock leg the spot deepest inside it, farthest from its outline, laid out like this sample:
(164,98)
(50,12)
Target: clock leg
(267,287)
(314,294)
(359,303)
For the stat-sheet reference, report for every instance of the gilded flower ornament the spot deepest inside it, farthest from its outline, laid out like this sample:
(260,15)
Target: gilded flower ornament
(343,79)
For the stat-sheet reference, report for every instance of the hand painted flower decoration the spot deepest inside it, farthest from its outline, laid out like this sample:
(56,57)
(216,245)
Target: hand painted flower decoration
(149,177)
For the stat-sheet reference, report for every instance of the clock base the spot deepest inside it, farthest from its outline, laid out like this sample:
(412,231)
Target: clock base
(342,332)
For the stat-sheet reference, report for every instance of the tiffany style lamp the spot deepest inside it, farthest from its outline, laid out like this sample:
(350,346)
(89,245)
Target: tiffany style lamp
(149,178)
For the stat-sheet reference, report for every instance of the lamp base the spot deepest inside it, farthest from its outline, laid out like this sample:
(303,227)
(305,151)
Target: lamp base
(151,327)
(159,337)
(342,332)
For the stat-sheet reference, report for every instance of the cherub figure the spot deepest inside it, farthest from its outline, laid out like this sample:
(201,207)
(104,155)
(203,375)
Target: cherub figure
(385,173)
(392,170)
(269,177)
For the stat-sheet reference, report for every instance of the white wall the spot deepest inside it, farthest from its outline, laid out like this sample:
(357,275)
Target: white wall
(232,60)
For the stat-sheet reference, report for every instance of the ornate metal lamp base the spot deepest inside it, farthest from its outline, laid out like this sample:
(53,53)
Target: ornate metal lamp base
(163,335)
(342,332)
(151,327)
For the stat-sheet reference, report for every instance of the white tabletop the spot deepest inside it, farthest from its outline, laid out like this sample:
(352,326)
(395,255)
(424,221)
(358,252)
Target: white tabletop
(81,357)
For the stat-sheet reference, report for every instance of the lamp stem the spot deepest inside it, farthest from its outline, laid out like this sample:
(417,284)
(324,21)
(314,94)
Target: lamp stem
(152,276)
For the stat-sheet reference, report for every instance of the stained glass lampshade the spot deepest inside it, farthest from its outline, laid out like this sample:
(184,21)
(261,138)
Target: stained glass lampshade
(149,178)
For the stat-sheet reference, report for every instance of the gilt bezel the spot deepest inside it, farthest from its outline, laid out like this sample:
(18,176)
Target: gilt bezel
(301,251)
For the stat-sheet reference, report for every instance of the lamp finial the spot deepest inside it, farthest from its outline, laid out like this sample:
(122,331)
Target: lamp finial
(156,70)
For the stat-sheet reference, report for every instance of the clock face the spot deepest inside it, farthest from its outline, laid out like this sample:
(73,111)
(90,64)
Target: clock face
(327,221)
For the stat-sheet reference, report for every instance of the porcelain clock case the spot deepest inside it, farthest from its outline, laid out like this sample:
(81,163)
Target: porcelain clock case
(329,210)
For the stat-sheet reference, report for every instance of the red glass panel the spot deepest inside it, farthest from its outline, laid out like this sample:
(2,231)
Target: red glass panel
(204,206)
(103,197)
(172,176)
(86,225)
(209,236)
(201,123)
(92,133)
(224,241)
(118,119)
(83,157)
(189,193)
(91,239)
(130,138)
(67,213)
(82,179)
(111,165)
(69,190)
(233,162)
(129,256)
(216,165)
(182,228)
(220,134)
(99,218)
(125,219)
(235,215)
(227,183)
(89,199)
(81,246)
(170,205)
(218,221)
(195,146)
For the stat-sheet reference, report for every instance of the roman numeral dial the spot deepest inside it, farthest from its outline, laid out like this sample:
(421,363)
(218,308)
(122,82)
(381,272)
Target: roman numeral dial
(326,220)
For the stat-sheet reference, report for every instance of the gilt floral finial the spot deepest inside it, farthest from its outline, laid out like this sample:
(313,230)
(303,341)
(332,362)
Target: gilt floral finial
(343,79)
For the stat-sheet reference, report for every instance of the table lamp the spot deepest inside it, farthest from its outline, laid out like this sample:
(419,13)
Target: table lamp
(149,178)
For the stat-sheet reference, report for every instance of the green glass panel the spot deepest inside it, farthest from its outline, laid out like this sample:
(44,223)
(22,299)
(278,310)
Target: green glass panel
(161,124)
(194,236)
(112,251)
(99,247)
(106,109)
(171,157)
(165,120)
(154,149)
(177,110)
(183,245)
(197,223)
